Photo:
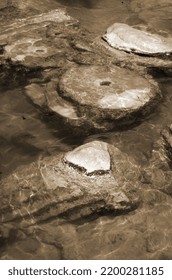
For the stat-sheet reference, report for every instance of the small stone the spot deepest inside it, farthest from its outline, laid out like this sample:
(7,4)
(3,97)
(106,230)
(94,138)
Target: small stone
(36,93)
(57,104)
(92,157)
(127,38)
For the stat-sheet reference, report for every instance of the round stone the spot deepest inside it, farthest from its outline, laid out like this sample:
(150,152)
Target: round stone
(92,157)
(106,93)
(124,37)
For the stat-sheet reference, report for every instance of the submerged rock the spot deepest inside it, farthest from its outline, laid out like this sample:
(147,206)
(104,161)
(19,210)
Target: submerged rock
(94,178)
(25,41)
(159,173)
(53,45)
(97,97)
(156,14)
(137,48)
(167,140)
(105,96)
(127,38)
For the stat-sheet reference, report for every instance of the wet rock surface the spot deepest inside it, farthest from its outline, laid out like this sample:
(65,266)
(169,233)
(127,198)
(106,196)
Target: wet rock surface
(124,37)
(144,233)
(92,97)
(94,202)
(29,42)
(61,52)
(167,140)
(98,88)
(75,182)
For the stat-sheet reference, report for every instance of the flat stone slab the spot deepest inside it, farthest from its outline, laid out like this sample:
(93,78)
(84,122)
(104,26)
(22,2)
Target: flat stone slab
(43,206)
(92,157)
(25,42)
(127,38)
(102,93)
(97,97)
(72,185)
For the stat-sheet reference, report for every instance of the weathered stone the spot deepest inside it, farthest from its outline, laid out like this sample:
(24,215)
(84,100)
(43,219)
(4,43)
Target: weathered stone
(27,36)
(53,40)
(133,61)
(99,96)
(36,93)
(152,51)
(92,97)
(92,157)
(54,188)
(57,104)
(167,139)
(158,173)
(124,37)
(27,5)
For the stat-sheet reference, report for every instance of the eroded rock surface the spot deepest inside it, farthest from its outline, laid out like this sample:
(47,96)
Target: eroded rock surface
(69,67)
(159,173)
(47,196)
(99,87)
(95,177)
(26,41)
(167,140)
(127,38)
(98,97)
(92,157)
(138,46)
(44,205)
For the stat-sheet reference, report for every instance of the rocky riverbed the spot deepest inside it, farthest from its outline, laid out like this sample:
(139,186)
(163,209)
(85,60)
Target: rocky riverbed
(102,200)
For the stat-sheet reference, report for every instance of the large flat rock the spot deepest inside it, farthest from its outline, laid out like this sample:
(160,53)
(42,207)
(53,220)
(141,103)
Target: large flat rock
(45,205)
(72,185)
(51,45)
(97,97)
(127,38)
(107,95)
(25,40)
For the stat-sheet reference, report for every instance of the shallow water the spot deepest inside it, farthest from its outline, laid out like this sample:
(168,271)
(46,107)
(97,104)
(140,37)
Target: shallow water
(25,134)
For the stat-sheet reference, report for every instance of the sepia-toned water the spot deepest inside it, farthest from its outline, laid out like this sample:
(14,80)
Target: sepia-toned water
(25,134)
